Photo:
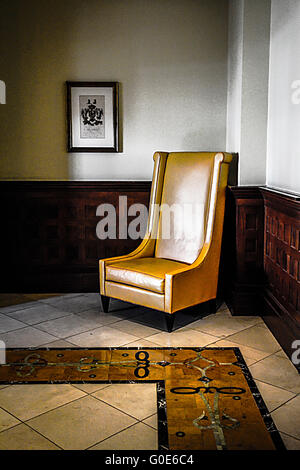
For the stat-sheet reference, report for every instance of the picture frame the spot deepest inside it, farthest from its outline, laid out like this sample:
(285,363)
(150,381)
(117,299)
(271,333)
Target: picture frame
(92,115)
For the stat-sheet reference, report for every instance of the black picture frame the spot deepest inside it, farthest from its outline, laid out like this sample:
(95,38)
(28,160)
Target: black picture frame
(92,116)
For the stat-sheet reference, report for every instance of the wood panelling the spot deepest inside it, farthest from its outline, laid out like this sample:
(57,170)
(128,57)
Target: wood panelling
(48,233)
(282,266)
(243,249)
(49,244)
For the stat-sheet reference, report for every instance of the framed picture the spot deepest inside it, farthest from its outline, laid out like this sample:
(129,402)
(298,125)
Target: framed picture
(92,113)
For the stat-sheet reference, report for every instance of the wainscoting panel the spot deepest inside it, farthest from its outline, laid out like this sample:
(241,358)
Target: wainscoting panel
(243,250)
(48,233)
(282,266)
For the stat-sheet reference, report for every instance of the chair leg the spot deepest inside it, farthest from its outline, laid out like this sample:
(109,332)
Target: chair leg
(104,303)
(170,317)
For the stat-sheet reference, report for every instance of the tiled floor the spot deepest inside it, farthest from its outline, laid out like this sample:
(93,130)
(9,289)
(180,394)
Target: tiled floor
(68,416)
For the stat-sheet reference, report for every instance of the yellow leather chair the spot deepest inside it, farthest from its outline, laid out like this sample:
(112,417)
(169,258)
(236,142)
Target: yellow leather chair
(170,273)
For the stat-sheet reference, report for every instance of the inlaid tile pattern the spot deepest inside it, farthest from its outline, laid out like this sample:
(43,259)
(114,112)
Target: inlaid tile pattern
(187,382)
(26,324)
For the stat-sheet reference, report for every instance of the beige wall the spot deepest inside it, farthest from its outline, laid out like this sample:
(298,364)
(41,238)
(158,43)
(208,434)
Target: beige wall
(248,75)
(283,163)
(170,57)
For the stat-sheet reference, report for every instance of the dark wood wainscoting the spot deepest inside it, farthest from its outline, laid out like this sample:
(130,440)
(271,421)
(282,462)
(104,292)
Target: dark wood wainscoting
(243,250)
(48,233)
(49,244)
(282,266)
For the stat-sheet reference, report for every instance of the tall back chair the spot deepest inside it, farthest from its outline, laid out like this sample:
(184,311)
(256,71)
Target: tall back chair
(177,263)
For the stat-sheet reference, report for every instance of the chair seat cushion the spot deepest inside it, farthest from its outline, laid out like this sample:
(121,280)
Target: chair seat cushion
(146,273)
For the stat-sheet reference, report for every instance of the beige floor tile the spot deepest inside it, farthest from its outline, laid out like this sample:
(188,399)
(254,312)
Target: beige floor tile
(277,371)
(127,397)
(151,421)
(102,337)
(281,353)
(250,355)
(273,396)
(137,437)
(81,424)
(262,325)
(141,343)
(257,338)
(23,438)
(60,343)
(184,337)
(28,337)
(97,318)
(7,420)
(287,418)
(74,304)
(27,401)
(102,319)
(134,328)
(223,325)
(290,442)
(223,307)
(90,388)
(69,325)
(73,418)
(17,307)
(38,313)
(9,324)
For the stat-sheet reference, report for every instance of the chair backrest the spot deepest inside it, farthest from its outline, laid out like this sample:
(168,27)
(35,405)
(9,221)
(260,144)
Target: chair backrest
(189,193)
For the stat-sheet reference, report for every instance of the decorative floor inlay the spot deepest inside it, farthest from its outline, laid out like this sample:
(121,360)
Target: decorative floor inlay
(206,397)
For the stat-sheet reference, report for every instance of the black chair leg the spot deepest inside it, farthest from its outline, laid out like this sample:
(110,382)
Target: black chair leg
(104,303)
(170,317)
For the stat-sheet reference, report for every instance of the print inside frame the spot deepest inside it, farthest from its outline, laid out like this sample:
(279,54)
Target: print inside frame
(92,114)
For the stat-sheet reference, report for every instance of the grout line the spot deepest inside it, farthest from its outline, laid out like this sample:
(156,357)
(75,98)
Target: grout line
(285,403)
(47,438)
(43,321)
(262,359)
(121,411)
(146,424)
(269,355)
(276,386)
(290,435)
(53,409)
(14,425)
(91,383)
(115,434)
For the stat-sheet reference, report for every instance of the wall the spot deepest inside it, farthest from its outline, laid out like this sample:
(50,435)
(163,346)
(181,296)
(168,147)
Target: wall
(235,74)
(248,53)
(170,57)
(283,161)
